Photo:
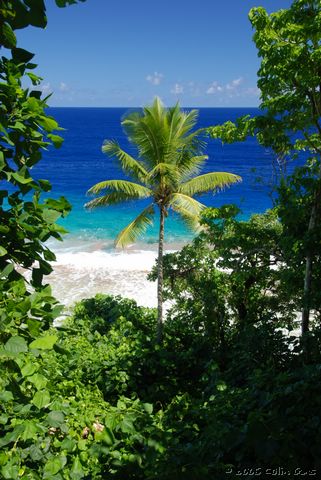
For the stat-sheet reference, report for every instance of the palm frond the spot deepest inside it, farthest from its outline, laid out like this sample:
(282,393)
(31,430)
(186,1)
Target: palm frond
(136,228)
(179,138)
(188,204)
(151,144)
(161,134)
(181,122)
(128,163)
(156,111)
(214,181)
(164,173)
(146,130)
(190,165)
(112,198)
(189,122)
(191,220)
(131,189)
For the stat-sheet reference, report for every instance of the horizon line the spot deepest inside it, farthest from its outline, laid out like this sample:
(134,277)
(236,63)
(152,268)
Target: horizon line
(124,106)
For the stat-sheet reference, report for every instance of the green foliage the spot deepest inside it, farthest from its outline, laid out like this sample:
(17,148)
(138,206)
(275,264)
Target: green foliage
(27,308)
(296,196)
(288,42)
(234,269)
(134,409)
(129,363)
(110,402)
(26,223)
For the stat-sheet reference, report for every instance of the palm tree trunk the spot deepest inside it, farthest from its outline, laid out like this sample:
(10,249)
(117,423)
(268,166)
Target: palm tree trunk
(160,276)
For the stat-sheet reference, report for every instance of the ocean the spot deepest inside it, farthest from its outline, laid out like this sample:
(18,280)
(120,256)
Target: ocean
(79,164)
(87,262)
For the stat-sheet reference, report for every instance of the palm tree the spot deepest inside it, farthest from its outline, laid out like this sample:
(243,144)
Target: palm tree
(169,156)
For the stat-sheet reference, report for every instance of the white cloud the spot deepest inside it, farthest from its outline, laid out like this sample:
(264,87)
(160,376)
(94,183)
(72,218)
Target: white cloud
(155,78)
(63,87)
(177,89)
(231,88)
(234,83)
(215,87)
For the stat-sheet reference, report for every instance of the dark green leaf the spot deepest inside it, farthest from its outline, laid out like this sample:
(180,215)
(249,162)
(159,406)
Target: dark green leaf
(68,444)
(45,185)
(16,345)
(22,56)
(37,276)
(7,36)
(37,15)
(55,418)
(7,270)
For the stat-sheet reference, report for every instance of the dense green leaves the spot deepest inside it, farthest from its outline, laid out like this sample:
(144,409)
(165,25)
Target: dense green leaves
(27,308)
(288,43)
(165,407)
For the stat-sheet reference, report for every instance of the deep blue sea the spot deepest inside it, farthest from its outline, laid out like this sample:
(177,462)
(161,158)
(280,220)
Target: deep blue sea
(79,164)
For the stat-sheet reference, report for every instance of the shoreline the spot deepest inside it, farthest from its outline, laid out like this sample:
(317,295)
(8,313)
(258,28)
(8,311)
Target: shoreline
(84,268)
(87,243)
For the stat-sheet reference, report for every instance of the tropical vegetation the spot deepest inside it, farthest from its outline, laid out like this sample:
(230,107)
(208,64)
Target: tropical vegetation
(288,42)
(233,390)
(169,157)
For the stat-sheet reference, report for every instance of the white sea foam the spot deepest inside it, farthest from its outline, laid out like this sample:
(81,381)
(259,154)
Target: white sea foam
(111,261)
(84,269)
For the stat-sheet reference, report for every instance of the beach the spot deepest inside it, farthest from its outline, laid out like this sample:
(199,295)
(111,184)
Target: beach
(85,268)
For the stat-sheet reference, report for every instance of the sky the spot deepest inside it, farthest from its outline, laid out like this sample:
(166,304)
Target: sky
(123,53)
